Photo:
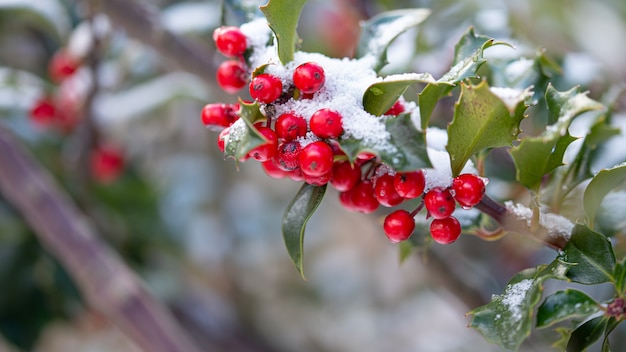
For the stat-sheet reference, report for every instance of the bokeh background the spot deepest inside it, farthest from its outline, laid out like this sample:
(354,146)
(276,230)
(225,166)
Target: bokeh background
(204,234)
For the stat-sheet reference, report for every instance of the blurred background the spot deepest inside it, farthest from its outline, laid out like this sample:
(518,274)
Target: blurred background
(205,234)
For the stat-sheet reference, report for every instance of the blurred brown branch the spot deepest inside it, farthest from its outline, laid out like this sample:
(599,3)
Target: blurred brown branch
(104,280)
(143,24)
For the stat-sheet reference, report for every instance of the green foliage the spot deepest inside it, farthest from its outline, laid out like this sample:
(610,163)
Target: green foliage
(244,137)
(407,147)
(380,97)
(591,256)
(508,319)
(468,57)
(296,216)
(482,120)
(539,156)
(600,185)
(282,17)
(564,305)
(378,32)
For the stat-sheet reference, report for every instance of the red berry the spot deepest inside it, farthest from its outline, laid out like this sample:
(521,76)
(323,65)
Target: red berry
(316,159)
(272,170)
(221,138)
(446,230)
(439,203)
(362,197)
(44,112)
(309,77)
(366,156)
(232,76)
(396,109)
(296,175)
(219,115)
(287,155)
(345,175)
(345,198)
(106,163)
(267,150)
(290,126)
(62,65)
(409,184)
(318,180)
(230,41)
(326,123)
(266,88)
(385,191)
(469,189)
(399,225)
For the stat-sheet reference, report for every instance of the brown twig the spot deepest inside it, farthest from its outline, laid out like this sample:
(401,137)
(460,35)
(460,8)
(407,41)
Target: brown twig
(103,278)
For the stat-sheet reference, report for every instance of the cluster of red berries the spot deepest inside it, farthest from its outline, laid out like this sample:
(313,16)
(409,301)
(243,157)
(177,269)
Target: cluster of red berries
(308,149)
(467,190)
(60,111)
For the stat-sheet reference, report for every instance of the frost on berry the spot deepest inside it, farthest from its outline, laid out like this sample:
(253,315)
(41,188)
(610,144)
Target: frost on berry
(439,203)
(287,155)
(230,41)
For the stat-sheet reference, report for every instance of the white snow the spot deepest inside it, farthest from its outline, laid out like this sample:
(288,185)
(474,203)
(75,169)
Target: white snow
(555,224)
(514,296)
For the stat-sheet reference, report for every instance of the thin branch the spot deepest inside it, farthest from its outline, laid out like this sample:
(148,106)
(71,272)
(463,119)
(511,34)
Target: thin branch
(104,280)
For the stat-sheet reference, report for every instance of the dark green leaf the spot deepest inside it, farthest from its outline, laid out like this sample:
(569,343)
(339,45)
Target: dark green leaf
(564,305)
(586,334)
(538,156)
(406,150)
(508,318)
(297,214)
(600,185)
(282,17)
(610,326)
(379,31)
(243,136)
(591,256)
(468,57)
(619,273)
(381,96)
(482,120)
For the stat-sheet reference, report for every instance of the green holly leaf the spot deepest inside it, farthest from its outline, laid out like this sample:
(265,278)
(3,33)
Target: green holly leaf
(483,120)
(380,96)
(296,216)
(406,150)
(587,333)
(591,256)
(378,32)
(579,169)
(508,319)
(243,136)
(536,157)
(611,324)
(468,57)
(567,304)
(282,17)
(619,273)
(600,185)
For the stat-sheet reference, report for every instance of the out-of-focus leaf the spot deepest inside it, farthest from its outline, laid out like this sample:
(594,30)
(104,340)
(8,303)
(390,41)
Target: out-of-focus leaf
(482,120)
(282,17)
(468,57)
(600,185)
(564,305)
(535,157)
(507,320)
(296,216)
(591,256)
(378,32)
(49,15)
